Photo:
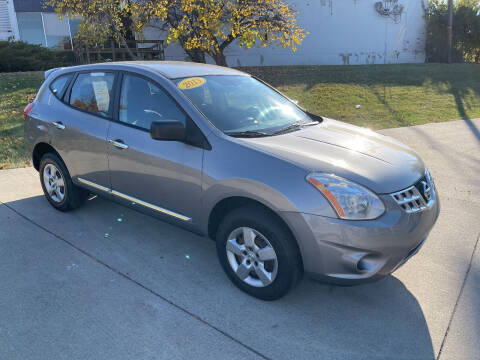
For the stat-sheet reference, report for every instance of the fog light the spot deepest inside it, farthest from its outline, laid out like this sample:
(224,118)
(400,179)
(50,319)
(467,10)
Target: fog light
(366,264)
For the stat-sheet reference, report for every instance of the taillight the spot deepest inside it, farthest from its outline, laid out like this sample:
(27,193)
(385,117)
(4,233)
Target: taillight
(27,109)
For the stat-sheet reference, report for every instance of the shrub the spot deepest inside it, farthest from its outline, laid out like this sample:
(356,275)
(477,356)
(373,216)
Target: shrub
(21,56)
(466,31)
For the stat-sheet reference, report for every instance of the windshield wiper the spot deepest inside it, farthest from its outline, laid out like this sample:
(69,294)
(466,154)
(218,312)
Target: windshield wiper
(296,125)
(247,133)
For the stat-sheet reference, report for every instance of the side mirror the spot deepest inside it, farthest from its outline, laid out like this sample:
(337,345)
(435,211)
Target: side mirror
(168,130)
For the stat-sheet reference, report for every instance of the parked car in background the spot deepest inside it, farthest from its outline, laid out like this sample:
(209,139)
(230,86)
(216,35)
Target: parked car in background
(216,151)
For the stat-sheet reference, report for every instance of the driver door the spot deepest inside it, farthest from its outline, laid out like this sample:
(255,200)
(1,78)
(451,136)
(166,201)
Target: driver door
(163,177)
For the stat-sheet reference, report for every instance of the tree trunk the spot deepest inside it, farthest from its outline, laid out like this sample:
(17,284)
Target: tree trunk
(219,58)
(121,38)
(194,55)
(124,43)
(450,31)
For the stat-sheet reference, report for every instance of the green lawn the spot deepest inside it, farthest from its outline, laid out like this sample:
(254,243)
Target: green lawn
(388,95)
(16,91)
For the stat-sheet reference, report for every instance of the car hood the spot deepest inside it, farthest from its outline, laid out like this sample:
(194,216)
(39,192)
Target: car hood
(378,162)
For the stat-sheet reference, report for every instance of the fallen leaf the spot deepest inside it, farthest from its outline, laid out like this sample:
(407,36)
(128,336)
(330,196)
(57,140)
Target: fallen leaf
(3,166)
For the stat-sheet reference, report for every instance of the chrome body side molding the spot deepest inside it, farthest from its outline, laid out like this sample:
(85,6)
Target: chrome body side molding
(134,200)
(92,184)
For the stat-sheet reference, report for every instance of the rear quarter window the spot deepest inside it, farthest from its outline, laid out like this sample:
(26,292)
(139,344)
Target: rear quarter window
(60,84)
(92,92)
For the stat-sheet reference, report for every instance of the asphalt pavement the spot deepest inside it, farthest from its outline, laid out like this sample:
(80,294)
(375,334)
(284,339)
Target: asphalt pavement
(106,282)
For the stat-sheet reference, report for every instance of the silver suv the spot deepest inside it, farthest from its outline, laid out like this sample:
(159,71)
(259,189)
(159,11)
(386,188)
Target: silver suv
(217,151)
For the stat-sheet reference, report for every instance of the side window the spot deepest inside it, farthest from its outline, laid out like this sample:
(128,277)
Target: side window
(92,92)
(59,85)
(142,102)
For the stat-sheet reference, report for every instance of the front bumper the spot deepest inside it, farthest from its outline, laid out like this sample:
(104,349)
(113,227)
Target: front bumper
(351,252)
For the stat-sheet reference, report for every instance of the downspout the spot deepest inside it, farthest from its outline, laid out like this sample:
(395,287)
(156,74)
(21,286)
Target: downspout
(44,33)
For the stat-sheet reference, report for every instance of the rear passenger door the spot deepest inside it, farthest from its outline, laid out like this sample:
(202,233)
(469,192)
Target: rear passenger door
(163,177)
(79,131)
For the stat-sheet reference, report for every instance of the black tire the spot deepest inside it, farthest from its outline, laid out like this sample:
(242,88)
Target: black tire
(74,196)
(289,268)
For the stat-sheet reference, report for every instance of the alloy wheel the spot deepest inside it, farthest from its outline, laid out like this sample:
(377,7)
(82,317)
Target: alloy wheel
(252,257)
(54,183)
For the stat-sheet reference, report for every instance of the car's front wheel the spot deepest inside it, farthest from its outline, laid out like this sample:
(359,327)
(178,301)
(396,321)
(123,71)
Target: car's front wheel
(57,185)
(258,253)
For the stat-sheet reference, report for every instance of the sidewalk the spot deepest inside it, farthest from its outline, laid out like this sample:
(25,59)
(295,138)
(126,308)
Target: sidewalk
(148,290)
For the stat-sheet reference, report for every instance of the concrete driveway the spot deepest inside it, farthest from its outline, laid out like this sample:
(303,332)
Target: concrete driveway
(106,282)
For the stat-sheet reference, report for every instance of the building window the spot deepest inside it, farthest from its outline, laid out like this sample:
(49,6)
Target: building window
(44,28)
(57,31)
(30,26)
(74,23)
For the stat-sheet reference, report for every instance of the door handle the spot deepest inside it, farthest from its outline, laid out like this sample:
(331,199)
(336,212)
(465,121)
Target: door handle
(59,125)
(118,144)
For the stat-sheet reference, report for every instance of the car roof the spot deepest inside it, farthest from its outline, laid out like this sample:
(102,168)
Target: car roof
(179,69)
(169,69)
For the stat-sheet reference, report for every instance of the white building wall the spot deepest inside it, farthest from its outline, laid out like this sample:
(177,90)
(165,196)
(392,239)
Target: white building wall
(340,32)
(8,21)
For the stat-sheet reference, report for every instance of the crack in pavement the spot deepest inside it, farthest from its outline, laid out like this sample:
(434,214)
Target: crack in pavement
(458,298)
(118,272)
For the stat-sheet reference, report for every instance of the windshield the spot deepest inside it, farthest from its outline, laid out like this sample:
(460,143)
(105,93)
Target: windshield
(242,104)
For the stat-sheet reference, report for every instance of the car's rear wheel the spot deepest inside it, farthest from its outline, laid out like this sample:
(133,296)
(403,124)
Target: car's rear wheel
(258,253)
(57,184)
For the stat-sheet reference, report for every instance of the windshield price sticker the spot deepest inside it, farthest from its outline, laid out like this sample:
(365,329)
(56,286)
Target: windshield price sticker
(191,83)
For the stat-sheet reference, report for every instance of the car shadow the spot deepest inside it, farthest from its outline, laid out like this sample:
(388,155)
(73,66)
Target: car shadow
(379,320)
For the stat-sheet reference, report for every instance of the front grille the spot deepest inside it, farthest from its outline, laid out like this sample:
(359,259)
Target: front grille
(417,197)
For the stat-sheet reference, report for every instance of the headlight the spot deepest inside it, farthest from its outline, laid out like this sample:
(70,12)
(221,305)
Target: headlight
(350,201)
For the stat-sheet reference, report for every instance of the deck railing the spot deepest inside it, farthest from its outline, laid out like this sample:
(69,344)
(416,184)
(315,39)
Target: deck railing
(113,51)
